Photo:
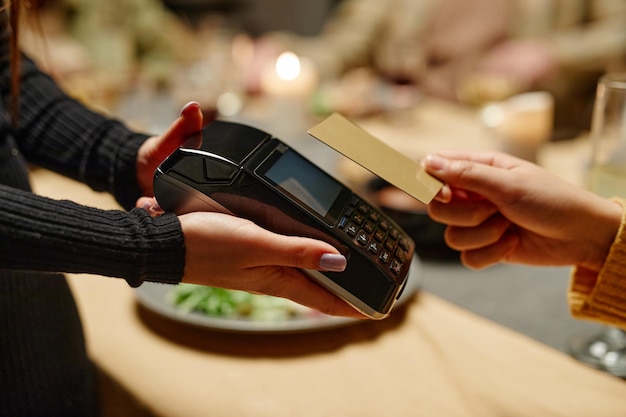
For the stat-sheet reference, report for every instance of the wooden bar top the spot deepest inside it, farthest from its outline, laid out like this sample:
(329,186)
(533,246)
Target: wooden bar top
(430,358)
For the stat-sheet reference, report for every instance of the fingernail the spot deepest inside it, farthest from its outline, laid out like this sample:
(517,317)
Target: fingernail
(188,105)
(155,208)
(333,262)
(445,194)
(434,163)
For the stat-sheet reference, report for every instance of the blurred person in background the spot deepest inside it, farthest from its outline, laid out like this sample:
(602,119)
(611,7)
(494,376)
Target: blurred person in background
(472,51)
(102,45)
(103,49)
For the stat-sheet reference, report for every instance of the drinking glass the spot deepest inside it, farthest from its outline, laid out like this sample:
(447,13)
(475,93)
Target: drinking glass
(606,349)
(607,175)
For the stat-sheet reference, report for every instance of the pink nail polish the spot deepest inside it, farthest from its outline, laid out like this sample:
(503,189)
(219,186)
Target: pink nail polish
(333,262)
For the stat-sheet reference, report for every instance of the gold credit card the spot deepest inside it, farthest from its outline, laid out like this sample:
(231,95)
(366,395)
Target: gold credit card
(377,157)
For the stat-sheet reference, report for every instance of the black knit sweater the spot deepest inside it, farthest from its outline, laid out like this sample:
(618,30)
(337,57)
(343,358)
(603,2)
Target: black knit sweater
(44,369)
(58,236)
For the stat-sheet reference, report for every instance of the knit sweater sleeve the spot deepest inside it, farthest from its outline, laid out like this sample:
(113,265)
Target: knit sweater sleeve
(41,234)
(62,236)
(57,132)
(602,296)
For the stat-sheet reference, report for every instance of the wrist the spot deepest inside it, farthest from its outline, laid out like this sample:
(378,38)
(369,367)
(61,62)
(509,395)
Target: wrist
(606,228)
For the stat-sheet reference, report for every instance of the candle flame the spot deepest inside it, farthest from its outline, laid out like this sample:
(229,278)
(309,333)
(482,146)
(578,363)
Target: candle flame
(288,66)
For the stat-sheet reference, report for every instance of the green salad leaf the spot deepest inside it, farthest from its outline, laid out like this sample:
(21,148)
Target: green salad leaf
(219,302)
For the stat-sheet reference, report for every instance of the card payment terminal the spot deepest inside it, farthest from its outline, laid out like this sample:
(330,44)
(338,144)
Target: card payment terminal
(243,171)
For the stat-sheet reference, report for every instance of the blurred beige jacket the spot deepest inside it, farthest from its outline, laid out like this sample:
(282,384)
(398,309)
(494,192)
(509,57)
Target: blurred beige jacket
(601,296)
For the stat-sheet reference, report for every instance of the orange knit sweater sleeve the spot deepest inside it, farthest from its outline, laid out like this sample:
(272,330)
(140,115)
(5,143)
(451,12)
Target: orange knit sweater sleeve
(602,296)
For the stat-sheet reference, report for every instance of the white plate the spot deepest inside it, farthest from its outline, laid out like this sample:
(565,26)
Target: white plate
(153,296)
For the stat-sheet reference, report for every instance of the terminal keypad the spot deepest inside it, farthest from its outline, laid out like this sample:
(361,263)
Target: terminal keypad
(383,241)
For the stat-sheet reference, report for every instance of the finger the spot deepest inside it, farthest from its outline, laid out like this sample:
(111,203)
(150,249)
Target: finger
(261,247)
(461,212)
(492,158)
(186,127)
(273,267)
(486,234)
(151,205)
(490,255)
(294,285)
(303,253)
(488,174)
(145,202)
(444,195)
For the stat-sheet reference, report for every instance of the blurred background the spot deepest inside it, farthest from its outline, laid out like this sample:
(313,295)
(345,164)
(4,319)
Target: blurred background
(423,75)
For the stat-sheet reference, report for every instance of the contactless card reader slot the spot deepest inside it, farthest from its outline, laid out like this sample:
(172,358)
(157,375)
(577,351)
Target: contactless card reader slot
(232,141)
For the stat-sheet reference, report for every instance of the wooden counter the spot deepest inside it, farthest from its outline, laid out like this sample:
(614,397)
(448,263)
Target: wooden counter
(430,358)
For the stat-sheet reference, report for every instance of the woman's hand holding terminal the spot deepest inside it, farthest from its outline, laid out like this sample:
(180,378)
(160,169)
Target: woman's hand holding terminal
(230,252)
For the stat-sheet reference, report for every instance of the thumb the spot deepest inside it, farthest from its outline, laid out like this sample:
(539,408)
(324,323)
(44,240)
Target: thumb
(304,253)
(484,175)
